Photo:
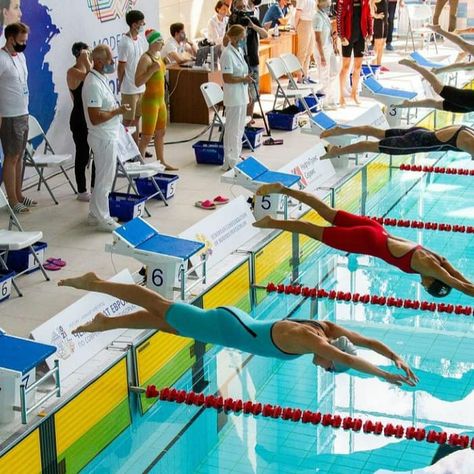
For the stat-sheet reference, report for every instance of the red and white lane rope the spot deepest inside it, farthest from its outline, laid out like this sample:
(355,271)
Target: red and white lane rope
(390,301)
(296,415)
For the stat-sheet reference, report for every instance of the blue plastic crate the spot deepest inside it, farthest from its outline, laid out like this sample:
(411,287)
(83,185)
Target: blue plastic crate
(21,260)
(209,153)
(6,277)
(254,135)
(281,121)
(166,182)
(126,206)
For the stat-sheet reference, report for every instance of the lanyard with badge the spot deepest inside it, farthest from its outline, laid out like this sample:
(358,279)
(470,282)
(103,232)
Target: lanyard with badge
(24,79)
(107,86)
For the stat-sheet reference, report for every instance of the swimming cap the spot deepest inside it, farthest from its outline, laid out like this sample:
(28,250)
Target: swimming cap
(344,345)
(152,36)
(438,289)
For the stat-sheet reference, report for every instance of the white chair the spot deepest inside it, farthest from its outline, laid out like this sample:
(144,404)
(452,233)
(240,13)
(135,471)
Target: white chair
(17,240)
(47,159)
(130,165)
(293,66)
(213,96)
(419,16)
(278,70)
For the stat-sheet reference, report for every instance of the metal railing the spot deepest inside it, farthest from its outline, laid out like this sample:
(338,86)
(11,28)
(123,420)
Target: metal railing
(25,411)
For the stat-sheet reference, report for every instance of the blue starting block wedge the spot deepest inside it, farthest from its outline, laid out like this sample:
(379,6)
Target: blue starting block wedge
(422,61)
(166,257)
(251,171)
(19,358)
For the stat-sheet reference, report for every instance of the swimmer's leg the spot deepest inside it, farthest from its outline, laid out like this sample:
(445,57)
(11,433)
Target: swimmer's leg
(137,320)
(359,147)
(363,130)
(299,227)
(431,78)
(327,212)
(425,103)
(135,294)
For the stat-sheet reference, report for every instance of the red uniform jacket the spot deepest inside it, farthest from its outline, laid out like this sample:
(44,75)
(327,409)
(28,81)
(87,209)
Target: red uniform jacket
(344,18)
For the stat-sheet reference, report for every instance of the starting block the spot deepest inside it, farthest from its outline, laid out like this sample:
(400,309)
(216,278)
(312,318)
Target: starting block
(19,358)
(167,257)
(389,97)
(321,122)
(251,174)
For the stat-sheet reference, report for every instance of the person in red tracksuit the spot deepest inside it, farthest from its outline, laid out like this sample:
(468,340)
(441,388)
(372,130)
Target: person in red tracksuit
(354,27)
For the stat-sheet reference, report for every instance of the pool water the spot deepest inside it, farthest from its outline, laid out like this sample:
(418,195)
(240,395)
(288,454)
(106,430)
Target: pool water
(437,346)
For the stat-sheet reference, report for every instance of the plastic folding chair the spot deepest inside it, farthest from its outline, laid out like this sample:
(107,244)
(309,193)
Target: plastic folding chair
(419,16)
(48,159)
(17,240)
(214,96)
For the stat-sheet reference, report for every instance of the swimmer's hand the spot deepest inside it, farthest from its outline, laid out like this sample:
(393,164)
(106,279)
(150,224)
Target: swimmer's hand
(397,379)
(401,364)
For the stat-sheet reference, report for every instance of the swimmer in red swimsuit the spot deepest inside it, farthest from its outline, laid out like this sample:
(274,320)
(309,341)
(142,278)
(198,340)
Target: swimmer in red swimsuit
(359,234)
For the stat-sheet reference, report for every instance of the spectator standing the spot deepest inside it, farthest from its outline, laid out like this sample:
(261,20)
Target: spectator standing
(305,10)
(453,10)
(218,23)
(328,67)
(236,77)
(102,113)
(178,49)
(14,98)
(151,72)
(392,8)
(77,121)
(130,49)
(354,26)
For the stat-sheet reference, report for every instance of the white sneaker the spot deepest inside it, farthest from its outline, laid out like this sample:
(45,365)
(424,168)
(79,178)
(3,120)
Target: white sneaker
(108,226)
(83,197)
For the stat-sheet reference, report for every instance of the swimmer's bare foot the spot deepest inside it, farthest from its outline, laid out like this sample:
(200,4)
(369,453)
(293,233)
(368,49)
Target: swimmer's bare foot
(81,283)
(405,104)
(332,132)
(169,167)
(331,152)
(342,102)
(265,223)
(271,188)
(355,98)
(407,62)
(98,324)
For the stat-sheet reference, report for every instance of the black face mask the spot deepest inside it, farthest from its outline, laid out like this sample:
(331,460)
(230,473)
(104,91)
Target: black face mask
(19,48)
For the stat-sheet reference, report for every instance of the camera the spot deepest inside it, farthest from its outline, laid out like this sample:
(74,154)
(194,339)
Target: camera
(242,18)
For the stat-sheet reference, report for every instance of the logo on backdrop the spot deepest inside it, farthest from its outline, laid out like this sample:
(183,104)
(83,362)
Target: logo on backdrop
(109,10)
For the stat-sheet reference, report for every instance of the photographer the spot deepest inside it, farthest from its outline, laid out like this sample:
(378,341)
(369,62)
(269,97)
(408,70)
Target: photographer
(244,17)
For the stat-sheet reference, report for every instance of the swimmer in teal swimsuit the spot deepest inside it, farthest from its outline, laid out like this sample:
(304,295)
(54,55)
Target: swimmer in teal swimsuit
(332,346)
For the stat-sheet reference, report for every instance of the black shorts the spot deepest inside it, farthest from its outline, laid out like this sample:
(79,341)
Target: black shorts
(358,47)
(381,25)
(406,141)
(457,100)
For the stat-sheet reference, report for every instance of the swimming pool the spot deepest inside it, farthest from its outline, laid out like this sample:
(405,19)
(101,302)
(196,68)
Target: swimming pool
(172,438)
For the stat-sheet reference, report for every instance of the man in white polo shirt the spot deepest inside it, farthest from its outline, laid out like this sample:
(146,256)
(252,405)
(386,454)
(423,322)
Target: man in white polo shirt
(14,113)
(131,47)
(178,49)
(102,113)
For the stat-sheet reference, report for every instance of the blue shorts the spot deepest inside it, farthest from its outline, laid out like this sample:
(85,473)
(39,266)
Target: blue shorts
(226,326)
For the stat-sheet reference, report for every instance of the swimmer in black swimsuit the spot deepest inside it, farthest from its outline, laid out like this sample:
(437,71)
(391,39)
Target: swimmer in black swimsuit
(403,141)
(455,100)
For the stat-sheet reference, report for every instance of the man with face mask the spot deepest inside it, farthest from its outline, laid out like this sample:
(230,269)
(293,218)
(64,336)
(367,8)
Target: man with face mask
(130,49)
(14,97)
(178,49)
(102,114)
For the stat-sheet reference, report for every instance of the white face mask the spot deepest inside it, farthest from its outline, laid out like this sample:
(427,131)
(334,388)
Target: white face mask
(141,29)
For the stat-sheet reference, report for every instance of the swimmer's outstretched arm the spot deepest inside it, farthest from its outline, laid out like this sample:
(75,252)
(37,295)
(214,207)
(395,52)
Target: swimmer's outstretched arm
(358,339)
(318,346)
(455,280)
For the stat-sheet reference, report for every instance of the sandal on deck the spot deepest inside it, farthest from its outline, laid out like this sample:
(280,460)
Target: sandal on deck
(20,208)
(28,202)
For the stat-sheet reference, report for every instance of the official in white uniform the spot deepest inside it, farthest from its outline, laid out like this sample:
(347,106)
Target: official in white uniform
(235,74)
(102,113)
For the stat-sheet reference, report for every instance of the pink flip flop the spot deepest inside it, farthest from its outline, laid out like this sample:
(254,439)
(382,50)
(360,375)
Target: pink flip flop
(221,200)
(51,267)
(207,204)
(59,262)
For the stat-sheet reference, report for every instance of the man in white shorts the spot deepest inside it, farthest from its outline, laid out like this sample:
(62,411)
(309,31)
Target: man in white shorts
(131,47)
